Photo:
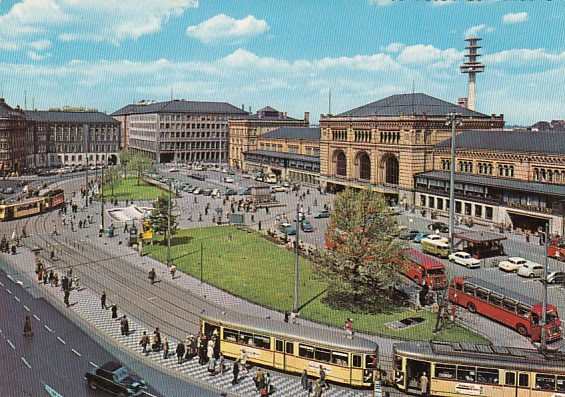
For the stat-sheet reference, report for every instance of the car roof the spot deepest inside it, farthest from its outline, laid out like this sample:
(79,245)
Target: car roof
(516,258)
(111,366)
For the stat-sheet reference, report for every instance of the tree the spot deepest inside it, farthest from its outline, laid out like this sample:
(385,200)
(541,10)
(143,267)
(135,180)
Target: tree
(158,217)
(139,164)
(363,253)
(112,177)
(125,159)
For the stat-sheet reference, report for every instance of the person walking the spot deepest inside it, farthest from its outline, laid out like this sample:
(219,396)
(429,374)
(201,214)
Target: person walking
(222,364)
(243,360)
(319,389)
(114,311)
(103,301)
(165,348)
(66,298)
(322,377)
(152,275)
(258,379)
(304,379)
(180,351)
(144,342)
(124,326)
(173,270)
(424,384)
(235,372)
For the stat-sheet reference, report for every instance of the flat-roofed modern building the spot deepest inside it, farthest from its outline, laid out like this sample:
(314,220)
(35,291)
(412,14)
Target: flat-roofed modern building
(14,140)
(178,130)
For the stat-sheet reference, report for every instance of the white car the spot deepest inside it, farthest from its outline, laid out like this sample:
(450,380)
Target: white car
(436,237)
(512,264)
(531,270)
(174,170)
(246,176)
(228,179)
(464,259)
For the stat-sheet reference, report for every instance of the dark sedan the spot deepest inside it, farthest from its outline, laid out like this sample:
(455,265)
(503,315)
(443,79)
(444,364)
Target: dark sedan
(408,234)
(323,214)
(114,378)
(442,227)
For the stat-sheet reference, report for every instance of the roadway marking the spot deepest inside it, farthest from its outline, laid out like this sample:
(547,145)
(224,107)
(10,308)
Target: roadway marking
(8,291)
(152,298)
(16,298)
(149,394)
(9,277)
(94,365)
(11,344)
(77,353)
(48,329)
(27,308)
(1,283)
(61,340)
(25,362)
(37,318)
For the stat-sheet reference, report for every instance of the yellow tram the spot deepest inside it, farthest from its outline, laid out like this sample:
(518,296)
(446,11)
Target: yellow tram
(460,368)
(22,209)
(293,348)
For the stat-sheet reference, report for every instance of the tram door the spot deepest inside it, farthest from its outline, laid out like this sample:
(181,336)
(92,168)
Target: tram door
(280,356)
(414,370)
(517,384)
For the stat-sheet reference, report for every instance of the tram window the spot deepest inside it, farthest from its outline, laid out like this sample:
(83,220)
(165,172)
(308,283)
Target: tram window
(230,334)
(487,375)
(445,371)
(246,339)
(322,354)
(523,310)
(545,382)
(523,380)
(469,289)
(305,351)
(561,383)
(357,361)
(509,305)
(482,294)
(371,361)
(398,363)
(468,374)
(263,342)
(510,379)
(279,345)
(289,348)
(340,358)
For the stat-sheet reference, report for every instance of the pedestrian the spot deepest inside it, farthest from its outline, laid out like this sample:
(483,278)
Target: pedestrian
(243,360)
(258,379)
(165,348)
(144,341)
(222,364)
(56,280)
(157,339)
(180,351)
(173,270)
(349,328)
(152,275)
(124,326)
(235,372)
(286,315)
(304,379)
(259,225)
(424,384)
(126,227)
(212,366)
(267,384)
(66,298)
(55,233)
(103,301)
(319,389)
(191,352)
(45,277)
(527,236)
(322,376)
(114,311)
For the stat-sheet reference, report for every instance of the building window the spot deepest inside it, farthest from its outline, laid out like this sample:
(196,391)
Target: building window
(445,164)
(364,164)
(392,170)
(340,163)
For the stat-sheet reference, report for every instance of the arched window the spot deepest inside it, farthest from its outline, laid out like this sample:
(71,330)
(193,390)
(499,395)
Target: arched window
(364,164)
(392,170)
(340,163)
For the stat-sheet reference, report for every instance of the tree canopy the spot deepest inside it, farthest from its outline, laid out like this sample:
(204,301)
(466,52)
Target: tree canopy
(139,164)
(159,214)
(363,252)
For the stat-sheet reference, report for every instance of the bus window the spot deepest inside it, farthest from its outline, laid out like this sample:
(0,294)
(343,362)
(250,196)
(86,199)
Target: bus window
(279,345)
(289,348)
(545,382)
(340,358)
(523,380)
(305,351)
(523,311)
(468,374)
(510,379)
(469,289)
(487,375)
(445,371)
(457,286)
(322,354)
(495,300)
(509,305)
(482,294)
(263,342)
(230,334)
(357,361)
(560,383)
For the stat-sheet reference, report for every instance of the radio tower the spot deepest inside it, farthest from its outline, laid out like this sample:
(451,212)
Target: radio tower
(472,67)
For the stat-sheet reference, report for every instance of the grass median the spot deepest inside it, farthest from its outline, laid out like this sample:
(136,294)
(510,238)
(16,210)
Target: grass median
(243,263)
(129,188)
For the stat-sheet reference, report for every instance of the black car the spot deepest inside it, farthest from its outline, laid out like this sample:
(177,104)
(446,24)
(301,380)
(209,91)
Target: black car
(114,378)
(323,214)
(230,192)
(442,227)
(408,234)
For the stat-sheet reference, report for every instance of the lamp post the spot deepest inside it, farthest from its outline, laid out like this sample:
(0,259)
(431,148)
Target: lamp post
(453,119)
(169,226)
(102,200)
(296,267)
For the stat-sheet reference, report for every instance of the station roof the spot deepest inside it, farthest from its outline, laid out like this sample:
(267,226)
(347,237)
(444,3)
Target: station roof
(180,106)
(63,116)
(300,133)
(284,155)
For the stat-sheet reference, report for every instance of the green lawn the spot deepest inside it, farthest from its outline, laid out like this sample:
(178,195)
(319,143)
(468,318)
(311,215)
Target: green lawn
(129,188)
(247,265)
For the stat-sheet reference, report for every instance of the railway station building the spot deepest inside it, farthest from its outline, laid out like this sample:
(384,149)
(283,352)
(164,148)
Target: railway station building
(14,140)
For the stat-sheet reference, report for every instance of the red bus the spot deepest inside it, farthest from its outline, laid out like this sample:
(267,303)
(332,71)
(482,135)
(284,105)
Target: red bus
(505,306)
(556,249)
(423,269)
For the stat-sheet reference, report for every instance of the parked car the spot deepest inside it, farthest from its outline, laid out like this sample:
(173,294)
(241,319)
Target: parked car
(287,229)
(230,192)
(555,277)
(512,264)
(246,176)
(442,227)
(197,191)
(306,226)
(421,235)
(278,188)
(228,179)
(408,234)
(436,237)
(207,192)
(531,270)
(244,192)
(322,214)
(464,259)
(114,378)
(174,170)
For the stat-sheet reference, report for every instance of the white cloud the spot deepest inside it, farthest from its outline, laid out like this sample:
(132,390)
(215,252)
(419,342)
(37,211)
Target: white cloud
(473,31)
(38,57)
(224,28)
(98,20)
(394,47)
(381,2)
(524,57)
(515,18)
(423,55)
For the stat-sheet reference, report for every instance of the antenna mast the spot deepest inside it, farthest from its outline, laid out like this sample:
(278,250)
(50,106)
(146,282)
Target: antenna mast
(472,67)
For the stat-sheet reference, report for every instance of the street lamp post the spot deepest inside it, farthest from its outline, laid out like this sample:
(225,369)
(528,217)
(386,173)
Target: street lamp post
(296,267)
(169,226)
(453,119)
(102,200)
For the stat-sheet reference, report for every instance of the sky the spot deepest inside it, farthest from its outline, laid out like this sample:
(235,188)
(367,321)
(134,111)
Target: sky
(287,54)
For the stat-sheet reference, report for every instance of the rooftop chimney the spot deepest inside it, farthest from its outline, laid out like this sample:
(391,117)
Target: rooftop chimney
(307,117)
